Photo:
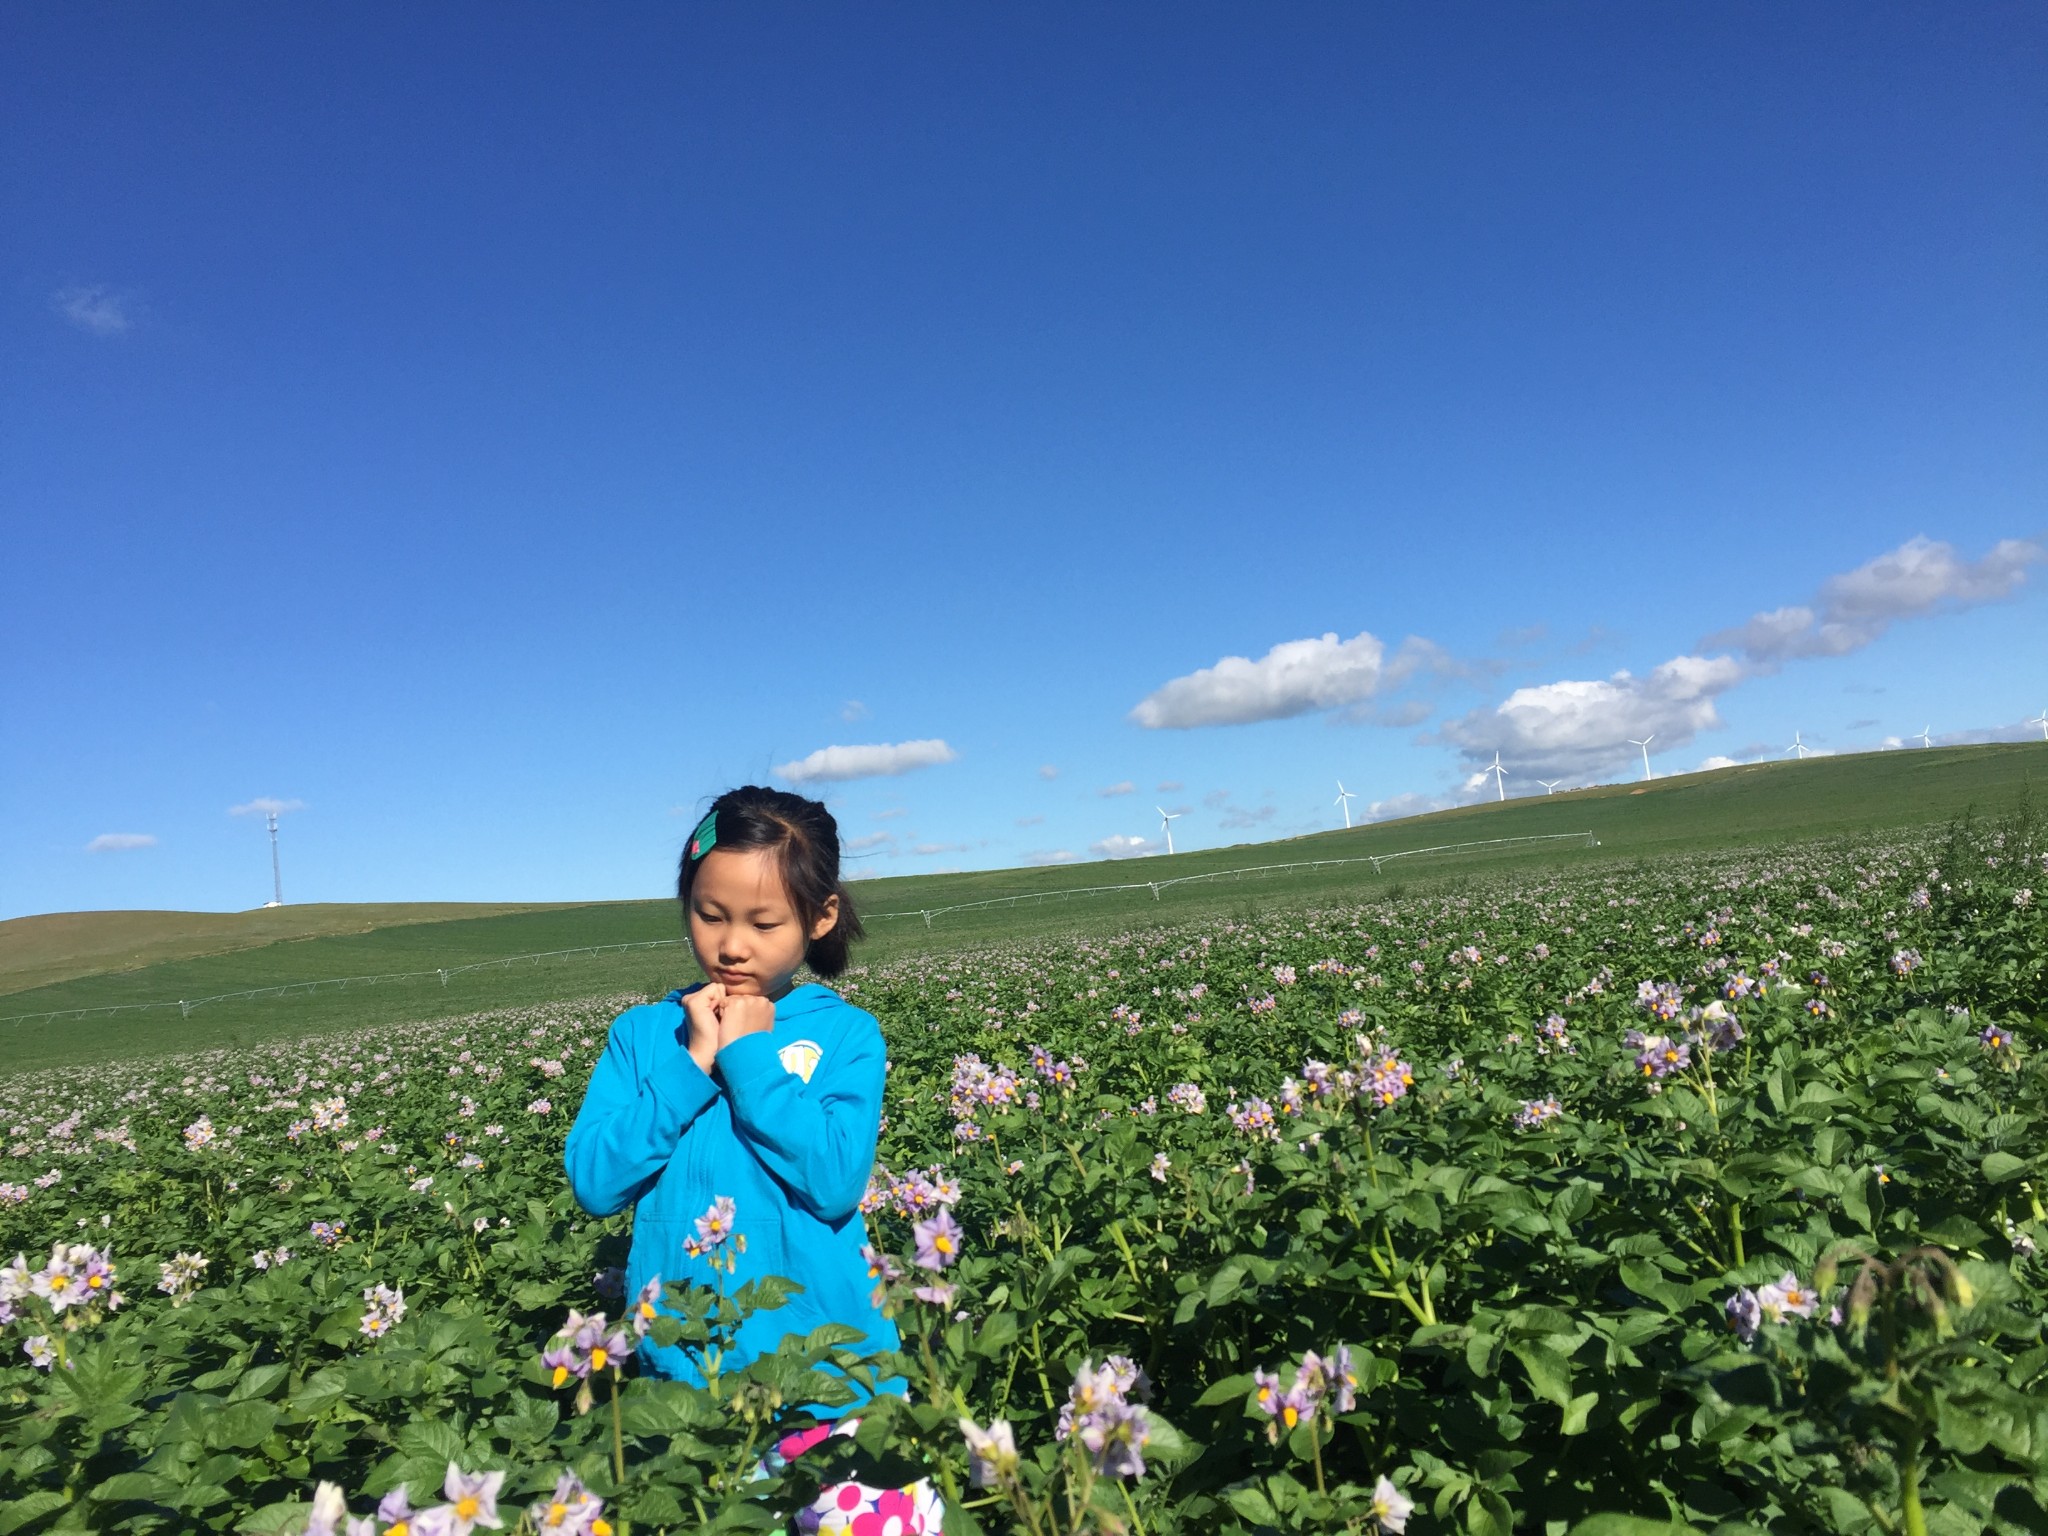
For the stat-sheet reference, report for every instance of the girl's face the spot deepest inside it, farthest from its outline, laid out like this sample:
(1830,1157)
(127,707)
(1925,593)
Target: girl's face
(742,926)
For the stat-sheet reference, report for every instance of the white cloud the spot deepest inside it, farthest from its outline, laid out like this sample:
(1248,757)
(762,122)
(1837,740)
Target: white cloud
(1049,856)
(1048,771)
(1118,846)
(870,840)
(1171,786)
(1293,678)
(120,842)
(867,762)
(1394,807)
(1576,728)
(1030,821)
(931,850)
(853,710)
(1920,577)
(1110,791)
(1718,762)
(891,814)
(265,805)
(95,307)
(1407,712)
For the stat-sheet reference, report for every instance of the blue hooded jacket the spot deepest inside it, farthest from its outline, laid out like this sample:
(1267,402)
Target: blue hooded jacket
(786,1125)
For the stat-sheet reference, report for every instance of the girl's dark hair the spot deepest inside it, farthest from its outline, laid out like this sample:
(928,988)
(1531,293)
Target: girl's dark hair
(806,843)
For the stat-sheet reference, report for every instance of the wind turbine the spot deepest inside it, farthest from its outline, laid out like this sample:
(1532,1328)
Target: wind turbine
(1166,821)
(276,877)
(1500,776)
(2042,721)
(1923,738)
(1550,785)
(1798,746)
(1344,798)
(1645,745)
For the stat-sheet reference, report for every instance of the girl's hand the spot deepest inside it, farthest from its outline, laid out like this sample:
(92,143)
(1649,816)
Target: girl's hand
(702,1007)
(744,1016)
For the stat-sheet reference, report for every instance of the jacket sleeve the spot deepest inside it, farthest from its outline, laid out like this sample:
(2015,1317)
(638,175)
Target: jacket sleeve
(817,1138)
(630,1122)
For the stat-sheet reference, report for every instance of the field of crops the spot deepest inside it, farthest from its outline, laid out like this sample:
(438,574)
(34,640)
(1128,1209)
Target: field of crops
(1706,1192)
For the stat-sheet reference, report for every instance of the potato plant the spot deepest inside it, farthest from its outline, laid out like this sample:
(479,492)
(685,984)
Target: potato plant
(1702,1193)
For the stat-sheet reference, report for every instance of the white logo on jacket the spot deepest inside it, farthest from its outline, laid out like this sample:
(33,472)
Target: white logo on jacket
(801,1057)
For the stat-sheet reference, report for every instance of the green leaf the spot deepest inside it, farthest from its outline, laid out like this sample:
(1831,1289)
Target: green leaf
(766,1293)
(1253,1504)
(149,1486)
(2003,1168)
(279,1519)
(1631,1525)
(242,1426)
(259,1381)
(1229,1389)
(30,1507)
(1576,1411)
(430,1440)
(1550,1374)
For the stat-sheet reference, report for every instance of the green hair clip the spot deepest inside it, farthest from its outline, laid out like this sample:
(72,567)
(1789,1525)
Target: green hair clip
(705,838)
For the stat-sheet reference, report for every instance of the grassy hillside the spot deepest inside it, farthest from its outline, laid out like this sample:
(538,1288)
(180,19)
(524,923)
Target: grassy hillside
(1764,803)
(58,946)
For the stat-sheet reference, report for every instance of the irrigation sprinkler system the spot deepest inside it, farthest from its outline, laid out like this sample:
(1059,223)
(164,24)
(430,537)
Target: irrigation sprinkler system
(340,983)
(1376,860)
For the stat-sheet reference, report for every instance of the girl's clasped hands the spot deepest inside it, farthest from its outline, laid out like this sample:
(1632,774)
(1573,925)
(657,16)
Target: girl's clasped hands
(718,1017)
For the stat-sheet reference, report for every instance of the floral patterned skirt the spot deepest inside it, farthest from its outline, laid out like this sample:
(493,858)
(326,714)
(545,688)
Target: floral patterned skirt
(856,1509)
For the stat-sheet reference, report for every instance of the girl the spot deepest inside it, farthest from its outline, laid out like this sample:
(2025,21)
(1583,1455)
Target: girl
(746,1087)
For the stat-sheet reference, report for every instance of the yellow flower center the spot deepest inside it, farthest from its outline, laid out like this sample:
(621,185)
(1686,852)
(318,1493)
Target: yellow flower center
(1291,1414)
(561,1374)
(557,1513)
(598,1359)
(467,1506)
(58,1282)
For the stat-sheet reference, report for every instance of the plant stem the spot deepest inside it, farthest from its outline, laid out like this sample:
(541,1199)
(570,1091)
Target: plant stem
(1909,1489)
(1735,1231)
(618,1433)
(1125,1489)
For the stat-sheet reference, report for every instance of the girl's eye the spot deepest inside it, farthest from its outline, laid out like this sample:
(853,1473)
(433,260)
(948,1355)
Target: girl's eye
(766,927)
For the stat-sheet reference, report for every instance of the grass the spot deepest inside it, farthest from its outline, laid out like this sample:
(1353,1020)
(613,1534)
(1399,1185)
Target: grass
(58,946)
(109,958)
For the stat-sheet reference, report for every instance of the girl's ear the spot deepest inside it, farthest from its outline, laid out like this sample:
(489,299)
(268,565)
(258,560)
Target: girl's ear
(828,918)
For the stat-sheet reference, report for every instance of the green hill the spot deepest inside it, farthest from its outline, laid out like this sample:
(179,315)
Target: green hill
(58,946)
(95,960)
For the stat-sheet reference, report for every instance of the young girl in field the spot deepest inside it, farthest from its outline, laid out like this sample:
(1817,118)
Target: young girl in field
(750,1089)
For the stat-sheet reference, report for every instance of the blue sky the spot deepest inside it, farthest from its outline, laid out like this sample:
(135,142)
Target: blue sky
(496,428)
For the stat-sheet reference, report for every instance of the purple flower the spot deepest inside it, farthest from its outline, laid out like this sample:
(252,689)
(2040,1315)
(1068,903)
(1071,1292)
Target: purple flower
(647,1308)
(571,1510)
(1744,1313)
(472,1500)
(1995,1039)
(715,1225)
(992,1453)
(938,1241)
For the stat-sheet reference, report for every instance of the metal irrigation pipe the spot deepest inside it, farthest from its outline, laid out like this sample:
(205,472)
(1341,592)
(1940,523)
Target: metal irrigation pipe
(1156,886)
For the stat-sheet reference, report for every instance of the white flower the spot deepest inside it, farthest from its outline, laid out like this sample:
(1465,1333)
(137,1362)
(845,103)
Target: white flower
(1389,1508)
